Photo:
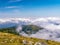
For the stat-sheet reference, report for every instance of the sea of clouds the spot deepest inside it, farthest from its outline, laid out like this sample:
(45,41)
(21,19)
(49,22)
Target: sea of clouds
(51,26)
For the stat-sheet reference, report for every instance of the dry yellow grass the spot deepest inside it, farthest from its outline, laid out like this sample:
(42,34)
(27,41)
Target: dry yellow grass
(11,39)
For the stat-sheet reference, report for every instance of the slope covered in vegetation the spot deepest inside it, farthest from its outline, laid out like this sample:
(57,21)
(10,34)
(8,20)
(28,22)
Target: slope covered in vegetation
(9,36)
(11,39)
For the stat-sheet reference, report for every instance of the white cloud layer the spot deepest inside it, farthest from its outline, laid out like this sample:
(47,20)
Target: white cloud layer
(51,26)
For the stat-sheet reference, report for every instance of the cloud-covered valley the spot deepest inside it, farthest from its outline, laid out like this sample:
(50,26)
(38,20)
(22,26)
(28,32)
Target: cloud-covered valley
(51,26)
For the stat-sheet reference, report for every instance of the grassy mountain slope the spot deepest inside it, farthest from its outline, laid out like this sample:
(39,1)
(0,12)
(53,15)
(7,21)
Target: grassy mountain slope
(11,39)
(9,36)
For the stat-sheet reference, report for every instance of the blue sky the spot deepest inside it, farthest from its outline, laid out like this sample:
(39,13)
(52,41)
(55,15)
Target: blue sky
(29,8)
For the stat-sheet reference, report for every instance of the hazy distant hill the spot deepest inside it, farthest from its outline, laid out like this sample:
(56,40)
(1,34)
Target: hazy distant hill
(31,29)
(28,29)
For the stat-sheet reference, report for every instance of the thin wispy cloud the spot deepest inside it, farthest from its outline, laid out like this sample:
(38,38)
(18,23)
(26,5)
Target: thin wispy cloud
(11,7)
(15,0)
(10,13)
